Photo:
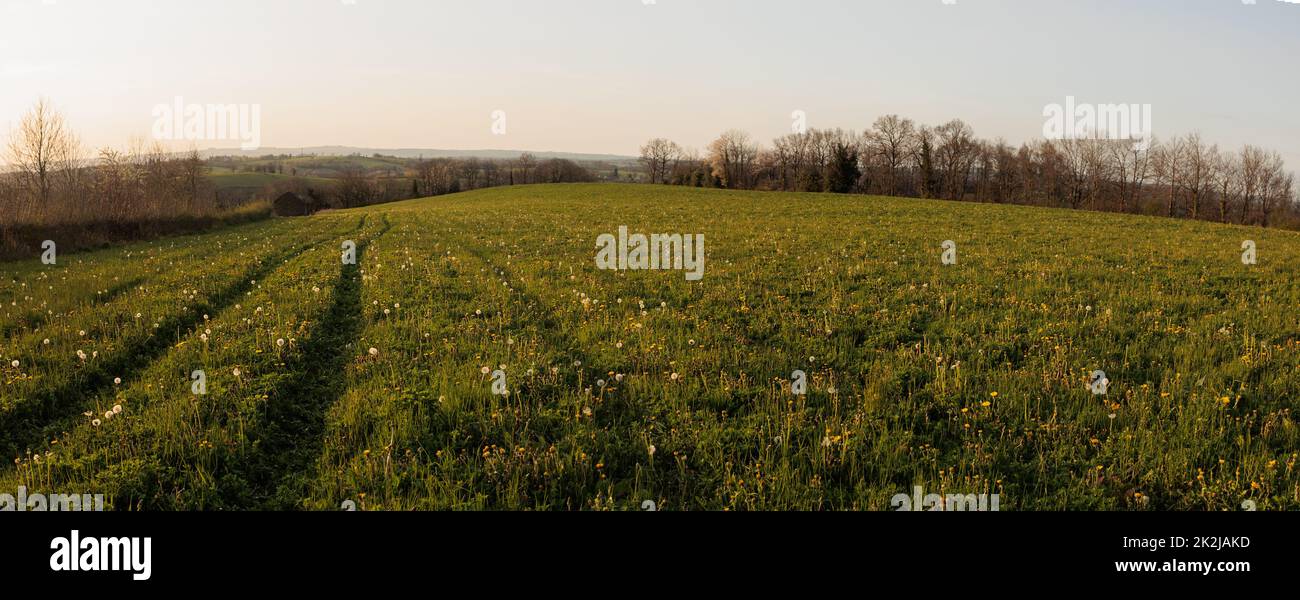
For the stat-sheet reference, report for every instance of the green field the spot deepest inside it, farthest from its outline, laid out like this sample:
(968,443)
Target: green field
(372,383)
(224,179)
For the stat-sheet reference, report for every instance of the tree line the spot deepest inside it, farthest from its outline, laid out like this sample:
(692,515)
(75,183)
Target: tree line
(53,181)
(1183,176)
(356,186)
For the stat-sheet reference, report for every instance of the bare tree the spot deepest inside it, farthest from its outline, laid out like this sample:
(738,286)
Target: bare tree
(1277,187)
(955,153)
(790,153)
(890,144)
(732,156)
(1198,158)
(1251,178)
(1169,163)
(355,188)
(1130,166)
(660,156)
(42,148)
(526,163)
(1226,181)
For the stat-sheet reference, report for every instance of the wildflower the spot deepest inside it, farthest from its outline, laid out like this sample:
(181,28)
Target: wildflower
(374,351)
(600,383)
(280,342)
(651,450)
(95,423)
(108,415)
(485,370)
(15,364)
(117,409)
(577,363)
(117,381)
(81,355)
(675,376)
(82,333)
(46,341)
(237,372)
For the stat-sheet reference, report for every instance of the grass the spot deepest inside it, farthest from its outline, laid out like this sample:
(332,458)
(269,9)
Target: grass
(966,379)
(226,180)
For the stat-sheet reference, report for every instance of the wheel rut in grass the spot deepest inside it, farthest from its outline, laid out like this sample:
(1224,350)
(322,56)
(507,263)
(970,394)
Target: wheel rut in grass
(51,411)
(291,433)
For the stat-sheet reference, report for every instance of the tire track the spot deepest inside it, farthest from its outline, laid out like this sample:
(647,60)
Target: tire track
(47,414)
(290,434)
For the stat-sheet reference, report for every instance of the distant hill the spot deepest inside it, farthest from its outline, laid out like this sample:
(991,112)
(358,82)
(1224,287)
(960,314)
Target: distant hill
(411,153)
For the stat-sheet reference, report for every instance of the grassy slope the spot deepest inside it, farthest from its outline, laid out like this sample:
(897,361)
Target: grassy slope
(968,378)
(229,180)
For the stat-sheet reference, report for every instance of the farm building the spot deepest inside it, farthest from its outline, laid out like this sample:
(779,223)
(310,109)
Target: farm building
(290,204)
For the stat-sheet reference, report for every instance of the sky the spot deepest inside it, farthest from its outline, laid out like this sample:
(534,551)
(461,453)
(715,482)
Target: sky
(604,76)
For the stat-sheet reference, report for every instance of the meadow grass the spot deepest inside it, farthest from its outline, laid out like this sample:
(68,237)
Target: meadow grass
(634,386)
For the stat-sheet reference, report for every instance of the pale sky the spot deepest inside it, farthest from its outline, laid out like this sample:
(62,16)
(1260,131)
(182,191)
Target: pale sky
(603,76)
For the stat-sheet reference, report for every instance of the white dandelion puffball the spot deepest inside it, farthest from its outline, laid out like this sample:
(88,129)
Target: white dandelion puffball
(485,370)
(237,372)
(117,381)
(15,364)
(280,342)
(374,351)
(95,423)
(117,409)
